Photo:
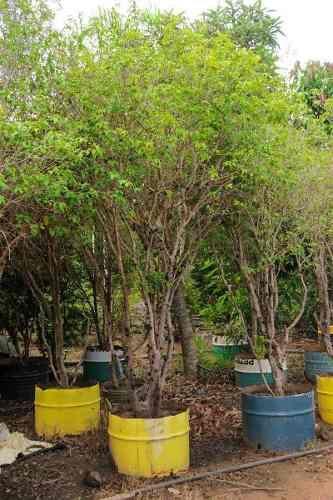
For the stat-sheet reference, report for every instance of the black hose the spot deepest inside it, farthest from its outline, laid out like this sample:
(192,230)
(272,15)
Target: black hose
(217,472)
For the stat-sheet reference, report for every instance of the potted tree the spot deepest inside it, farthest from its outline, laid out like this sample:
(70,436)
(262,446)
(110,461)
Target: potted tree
(106,359)
(219,298)
(98,261)
(64,407)
(45,208)
(170,185)
(317,226)
(269,249)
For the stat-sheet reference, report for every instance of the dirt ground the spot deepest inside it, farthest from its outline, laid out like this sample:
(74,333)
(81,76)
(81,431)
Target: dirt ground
(216,442)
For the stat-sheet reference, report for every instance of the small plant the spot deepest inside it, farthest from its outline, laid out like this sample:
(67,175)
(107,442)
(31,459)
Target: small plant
(207,360)
(260,347)
(205,356)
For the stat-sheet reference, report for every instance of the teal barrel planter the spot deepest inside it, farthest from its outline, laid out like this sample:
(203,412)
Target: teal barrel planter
(225,348)
(317,363)
(283,423)
(97,365)
(250,371)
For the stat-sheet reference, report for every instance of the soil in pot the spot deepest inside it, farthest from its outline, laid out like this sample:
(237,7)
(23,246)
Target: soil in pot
(278,423)
(19,377)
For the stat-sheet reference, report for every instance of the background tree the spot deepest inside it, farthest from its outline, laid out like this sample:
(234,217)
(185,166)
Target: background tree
(257,29)
(250,26)
(315,83)
(315,224)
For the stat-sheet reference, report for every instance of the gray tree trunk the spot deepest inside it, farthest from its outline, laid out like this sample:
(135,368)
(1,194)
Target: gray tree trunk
(186,333)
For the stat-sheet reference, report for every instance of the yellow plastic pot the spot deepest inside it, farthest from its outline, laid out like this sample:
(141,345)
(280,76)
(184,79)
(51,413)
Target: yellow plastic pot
(150,447)
(325,397)
(330,330)
(61,412)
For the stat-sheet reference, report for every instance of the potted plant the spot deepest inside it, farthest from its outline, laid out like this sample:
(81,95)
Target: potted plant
(166,197)
(65,406)
(171,186)
(232,342)
(317,225)
(275,417)
(254,368)
(43,208)
(270,252)
(226,347)
(103,361)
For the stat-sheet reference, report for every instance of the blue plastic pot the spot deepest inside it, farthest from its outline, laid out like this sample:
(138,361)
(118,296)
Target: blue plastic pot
(317,363)
(283,423)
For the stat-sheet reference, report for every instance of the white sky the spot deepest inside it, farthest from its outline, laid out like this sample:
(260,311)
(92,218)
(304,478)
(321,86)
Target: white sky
(308,24)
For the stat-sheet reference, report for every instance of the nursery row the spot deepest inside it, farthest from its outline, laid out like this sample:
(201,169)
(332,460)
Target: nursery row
(146,447)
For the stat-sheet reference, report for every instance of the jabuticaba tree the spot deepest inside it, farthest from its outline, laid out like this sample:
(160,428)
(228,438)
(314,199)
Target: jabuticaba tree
(268,227)
(186,130)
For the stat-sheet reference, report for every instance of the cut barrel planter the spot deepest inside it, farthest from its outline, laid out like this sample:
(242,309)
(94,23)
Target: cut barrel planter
(150,447)
(325,397)
(250,371)
(317,363)
(330,330)
(225,349)
(283,423)
(60,412)
(19,377)
(97,365)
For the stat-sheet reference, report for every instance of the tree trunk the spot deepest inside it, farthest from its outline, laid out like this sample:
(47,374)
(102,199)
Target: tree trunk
(190,359)
(279,375)
(323,298)
(57,313)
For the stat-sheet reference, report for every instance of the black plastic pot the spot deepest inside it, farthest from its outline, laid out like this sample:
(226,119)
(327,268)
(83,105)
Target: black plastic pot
(19,377)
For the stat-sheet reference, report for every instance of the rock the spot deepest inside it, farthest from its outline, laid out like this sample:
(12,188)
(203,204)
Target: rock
(175,492)
(4,432)
(93,479)
(325,433)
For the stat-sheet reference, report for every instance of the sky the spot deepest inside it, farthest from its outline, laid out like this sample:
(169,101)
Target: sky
(307,24)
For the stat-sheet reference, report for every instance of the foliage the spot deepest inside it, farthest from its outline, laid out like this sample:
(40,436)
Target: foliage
(260,347)
(315,82)
(18,310)
(315,224)
(220,295)
(252,27)
(208,362)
